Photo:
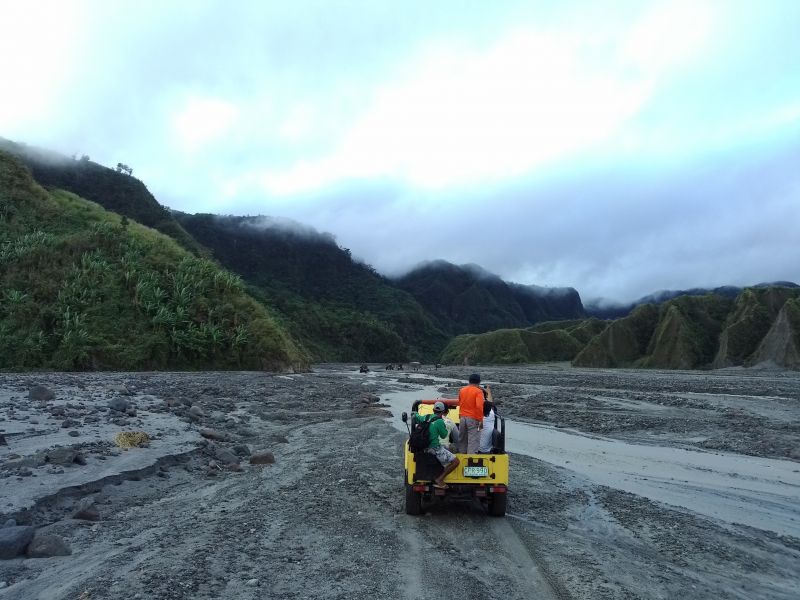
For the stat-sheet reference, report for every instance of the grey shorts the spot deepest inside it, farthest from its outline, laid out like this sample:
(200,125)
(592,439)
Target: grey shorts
(443,455)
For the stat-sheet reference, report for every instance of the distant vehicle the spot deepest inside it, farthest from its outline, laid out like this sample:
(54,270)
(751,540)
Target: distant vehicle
(481,476)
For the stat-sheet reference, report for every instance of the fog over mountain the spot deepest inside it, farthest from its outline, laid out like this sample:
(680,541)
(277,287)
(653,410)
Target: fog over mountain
(615,147)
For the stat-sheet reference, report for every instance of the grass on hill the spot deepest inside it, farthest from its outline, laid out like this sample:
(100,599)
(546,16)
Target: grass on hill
(83,288)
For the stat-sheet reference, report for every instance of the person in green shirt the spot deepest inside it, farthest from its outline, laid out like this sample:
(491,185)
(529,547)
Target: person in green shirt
(436,431)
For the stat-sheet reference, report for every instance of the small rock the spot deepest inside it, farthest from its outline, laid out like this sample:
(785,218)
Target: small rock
(13,540)
(211,434)
(47,545)
(39,393)
(121,389)
(74,433)
(226,457)
(67,423)
(118,404)
(196,411)
(241,450)
(262,458)
(86,511)
(279,439)
(252,582)
(10,523)
(3,441)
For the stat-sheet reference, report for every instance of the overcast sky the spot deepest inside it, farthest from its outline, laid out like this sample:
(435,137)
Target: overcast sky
(617,147)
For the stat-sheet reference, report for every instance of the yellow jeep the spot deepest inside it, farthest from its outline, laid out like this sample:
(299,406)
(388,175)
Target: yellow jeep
(481,476)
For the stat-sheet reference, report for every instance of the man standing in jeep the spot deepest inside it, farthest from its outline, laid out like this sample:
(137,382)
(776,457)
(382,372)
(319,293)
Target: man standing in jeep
(436,431)
(470,407)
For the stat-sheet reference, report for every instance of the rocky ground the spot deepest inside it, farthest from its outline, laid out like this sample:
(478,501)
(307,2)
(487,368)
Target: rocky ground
(290,486)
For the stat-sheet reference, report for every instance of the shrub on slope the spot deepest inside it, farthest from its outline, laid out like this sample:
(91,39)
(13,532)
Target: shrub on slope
(622,342)
(509,346)
(83,288)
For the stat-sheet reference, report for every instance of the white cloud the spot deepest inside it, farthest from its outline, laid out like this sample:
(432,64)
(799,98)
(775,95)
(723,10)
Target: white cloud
(459,115)
(202,121)
(37,53)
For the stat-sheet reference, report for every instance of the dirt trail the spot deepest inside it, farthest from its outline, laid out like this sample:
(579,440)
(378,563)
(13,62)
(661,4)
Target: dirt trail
(327,519)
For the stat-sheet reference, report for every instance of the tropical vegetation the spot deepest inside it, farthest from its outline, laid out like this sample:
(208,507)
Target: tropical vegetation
(81,287)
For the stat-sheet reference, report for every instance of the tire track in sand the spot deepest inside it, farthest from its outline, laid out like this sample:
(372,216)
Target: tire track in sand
(541,583)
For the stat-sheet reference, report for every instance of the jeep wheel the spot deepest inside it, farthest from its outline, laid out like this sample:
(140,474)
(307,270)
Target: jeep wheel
(413,501)
(497,505)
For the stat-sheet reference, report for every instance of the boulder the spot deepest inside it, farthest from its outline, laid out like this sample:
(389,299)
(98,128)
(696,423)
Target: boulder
(45,545)
(262,458)
(118,404)
(39,393)
(61,456)
(14,540)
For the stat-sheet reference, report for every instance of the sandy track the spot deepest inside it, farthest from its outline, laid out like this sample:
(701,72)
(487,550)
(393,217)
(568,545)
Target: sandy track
(327,519)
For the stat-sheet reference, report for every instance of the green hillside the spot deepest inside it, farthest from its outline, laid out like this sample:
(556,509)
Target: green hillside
(341,310)
(113,190)
(82,288)
(761,325)
(546,342)
(694,332)
(468,299)
(753,313)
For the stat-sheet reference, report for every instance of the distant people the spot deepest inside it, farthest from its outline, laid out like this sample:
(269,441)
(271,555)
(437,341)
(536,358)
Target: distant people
(436,431)
(489,419)
(470,406)
(363,369)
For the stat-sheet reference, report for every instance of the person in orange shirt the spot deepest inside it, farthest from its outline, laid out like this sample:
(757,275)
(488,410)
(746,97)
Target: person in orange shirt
(470,410)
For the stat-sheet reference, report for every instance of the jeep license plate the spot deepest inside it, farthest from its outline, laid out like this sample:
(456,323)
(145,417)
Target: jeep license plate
(476,471)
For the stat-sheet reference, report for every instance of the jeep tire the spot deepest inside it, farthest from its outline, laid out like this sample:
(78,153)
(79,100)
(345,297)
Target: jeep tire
(497,505)
(413,501)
